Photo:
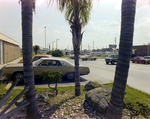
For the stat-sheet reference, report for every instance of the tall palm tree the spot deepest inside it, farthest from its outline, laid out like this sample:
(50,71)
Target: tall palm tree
(27,7)
(125,50)
(77,13)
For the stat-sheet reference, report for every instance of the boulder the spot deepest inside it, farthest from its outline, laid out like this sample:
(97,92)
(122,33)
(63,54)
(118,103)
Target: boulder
(41,97)
(99,98)
(91,85)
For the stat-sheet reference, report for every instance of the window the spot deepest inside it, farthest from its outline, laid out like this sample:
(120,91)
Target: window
(36,58)
(50,63)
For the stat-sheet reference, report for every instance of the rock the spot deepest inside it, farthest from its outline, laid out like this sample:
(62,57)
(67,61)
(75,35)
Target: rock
(99,98)
(91,85)
(41,97)
(18,102)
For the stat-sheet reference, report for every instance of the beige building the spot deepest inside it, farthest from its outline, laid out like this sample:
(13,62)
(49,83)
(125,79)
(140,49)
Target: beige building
(9,49)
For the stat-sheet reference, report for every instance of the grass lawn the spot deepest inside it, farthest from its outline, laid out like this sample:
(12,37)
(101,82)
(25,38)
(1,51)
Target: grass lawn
(66,99)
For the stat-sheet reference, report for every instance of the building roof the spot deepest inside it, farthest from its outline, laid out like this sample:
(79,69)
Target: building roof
(8,39)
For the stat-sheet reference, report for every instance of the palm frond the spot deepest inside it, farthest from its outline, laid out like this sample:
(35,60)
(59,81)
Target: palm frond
(85,7)
(62,4)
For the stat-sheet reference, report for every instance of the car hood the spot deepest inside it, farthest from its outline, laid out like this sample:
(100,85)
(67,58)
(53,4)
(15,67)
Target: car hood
(14,65)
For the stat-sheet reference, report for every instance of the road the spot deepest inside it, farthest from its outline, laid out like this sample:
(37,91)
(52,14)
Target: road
(139,74)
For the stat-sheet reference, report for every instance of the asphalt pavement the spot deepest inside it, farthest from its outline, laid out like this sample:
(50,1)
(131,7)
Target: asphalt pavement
(138,77)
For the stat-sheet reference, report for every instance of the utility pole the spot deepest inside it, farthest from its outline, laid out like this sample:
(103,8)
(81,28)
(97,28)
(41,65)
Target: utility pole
(115,43)
(56,43)
(53,45)
(93,45)
(45,37)
(81,47)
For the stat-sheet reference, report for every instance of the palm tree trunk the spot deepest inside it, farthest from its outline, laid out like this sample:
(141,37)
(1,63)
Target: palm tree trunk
(32,110)
(77,76)
(125,50)
(76,39)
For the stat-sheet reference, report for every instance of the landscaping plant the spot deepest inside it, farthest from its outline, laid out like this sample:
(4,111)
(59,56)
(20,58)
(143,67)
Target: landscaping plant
(49,77)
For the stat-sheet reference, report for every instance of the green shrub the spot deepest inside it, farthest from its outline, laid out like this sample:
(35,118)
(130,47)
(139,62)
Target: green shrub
(49,76)
(57,53)
(49,53)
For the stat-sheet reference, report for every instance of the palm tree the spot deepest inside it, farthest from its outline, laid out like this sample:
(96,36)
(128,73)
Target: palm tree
(77,13)
(27,7)
(125,50)
(36,48)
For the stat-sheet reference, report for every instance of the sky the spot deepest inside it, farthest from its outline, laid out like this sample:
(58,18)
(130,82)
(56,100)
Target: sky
(101,30)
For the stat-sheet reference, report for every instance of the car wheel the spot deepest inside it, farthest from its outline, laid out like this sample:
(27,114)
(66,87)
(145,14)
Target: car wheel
(112,62)
(86,59)
(82,59)
(143,62)
(94,59)
(91,59)
(133,61)
(19,75)
(70,76)
(107,62)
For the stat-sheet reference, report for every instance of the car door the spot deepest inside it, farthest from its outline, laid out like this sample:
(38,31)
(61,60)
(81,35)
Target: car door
(46,65)
(138,59)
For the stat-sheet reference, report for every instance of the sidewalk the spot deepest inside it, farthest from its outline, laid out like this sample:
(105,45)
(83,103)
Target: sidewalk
(12,62)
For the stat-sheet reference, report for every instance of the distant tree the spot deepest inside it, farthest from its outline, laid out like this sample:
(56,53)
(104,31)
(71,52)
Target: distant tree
(36,48)
(57,53)
(49,53)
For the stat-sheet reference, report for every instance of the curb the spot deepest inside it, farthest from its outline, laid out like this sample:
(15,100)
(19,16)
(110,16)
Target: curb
(9,85)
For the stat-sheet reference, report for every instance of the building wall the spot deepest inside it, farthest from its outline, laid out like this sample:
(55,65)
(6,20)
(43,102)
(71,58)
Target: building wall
(1,52)
(142,50)
(11,51)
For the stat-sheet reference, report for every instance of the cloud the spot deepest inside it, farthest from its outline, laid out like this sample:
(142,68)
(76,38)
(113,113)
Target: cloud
(113,24)
(40,2)
(118,5)
(141,32)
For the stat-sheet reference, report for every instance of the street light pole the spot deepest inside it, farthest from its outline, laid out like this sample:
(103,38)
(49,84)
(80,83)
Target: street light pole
(81,47)
(93,45)
(53,45)
(56,43)
(45,37)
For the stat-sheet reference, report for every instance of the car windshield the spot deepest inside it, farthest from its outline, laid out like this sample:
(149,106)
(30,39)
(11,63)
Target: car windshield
(37,62)
(146,57)
(65,62)
(141,57)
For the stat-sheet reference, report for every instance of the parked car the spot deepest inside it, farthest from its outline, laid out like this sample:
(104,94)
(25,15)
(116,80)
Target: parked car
(43,64)
(88,57)
(111,59)
(139,59)
(36,57)
(71,56)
